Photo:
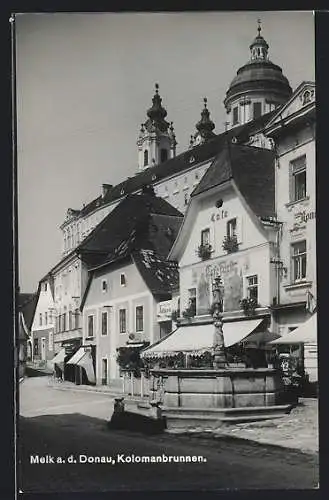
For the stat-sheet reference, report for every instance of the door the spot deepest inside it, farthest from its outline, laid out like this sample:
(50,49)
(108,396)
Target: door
(43,348)
(104,371)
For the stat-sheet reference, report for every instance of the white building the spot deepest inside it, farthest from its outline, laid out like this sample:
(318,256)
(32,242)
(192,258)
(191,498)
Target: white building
(42,330)
(293,130)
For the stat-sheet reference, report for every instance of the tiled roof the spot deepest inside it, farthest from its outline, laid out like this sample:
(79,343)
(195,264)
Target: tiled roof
(251,168)
(139,221)
(174,166)
(160,275)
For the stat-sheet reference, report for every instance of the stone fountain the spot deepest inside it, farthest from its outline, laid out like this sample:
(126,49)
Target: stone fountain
(210,397)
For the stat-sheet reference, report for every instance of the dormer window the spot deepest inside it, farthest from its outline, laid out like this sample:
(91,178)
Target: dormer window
(146,158)
(306,97)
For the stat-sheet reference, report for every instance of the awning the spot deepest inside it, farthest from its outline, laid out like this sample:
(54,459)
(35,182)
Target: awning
(304,334)
(199,338)
(86,362)
(59,357)
(84,359)
(76,357)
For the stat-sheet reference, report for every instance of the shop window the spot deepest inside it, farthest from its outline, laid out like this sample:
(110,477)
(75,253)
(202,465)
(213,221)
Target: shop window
(299,261)
(104,323)
(90,326)
(163,155)
(298,179)
(192,301)
(252,287)
(139,319)
(257,109)
(122,320)
(235,115)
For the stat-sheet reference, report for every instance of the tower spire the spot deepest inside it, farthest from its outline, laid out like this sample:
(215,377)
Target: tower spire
(204,127)
(156,141)
(259,29)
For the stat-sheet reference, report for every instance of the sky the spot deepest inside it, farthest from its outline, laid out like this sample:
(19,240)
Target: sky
(85,82)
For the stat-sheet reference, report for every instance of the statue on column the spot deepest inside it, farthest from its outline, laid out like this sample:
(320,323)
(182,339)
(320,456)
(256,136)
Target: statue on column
(219,356)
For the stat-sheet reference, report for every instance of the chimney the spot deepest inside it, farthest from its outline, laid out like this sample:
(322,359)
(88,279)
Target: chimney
(105,189)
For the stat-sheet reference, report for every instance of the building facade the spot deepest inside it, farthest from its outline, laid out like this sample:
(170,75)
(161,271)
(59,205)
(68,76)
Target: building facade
(230,231)
(293,131)
(42,329)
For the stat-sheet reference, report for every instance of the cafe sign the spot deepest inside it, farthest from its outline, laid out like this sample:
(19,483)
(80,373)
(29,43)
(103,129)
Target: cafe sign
(164,310)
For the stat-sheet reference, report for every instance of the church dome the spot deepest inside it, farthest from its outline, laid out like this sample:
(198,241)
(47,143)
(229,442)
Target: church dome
(259,75)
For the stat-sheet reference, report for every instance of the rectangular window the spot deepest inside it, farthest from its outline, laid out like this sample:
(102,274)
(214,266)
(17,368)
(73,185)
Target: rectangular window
(104,286)
(235,115)
(104,371)
(231,228)
(298,179)
(139,319)
(77,319)
(192,300)
(50,317)
(299,261)
(205,237)
(257,109)
(45,287)
(51,341)
(122,320)
(123,279)
(252,287)
(90,326)
(104,323)
(64,322)
(70,320)
(40,319)
(46,318)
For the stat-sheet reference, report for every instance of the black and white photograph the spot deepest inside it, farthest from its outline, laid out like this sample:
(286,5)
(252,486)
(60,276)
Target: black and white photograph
(166,244)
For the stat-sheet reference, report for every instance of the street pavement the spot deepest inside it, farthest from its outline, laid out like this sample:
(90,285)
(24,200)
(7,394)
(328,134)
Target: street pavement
(66,425)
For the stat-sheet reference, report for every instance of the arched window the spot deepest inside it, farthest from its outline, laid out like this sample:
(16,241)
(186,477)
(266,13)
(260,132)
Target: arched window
(163,155)
(146,157)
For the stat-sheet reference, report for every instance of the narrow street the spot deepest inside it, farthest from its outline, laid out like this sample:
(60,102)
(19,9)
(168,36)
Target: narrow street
(72,426)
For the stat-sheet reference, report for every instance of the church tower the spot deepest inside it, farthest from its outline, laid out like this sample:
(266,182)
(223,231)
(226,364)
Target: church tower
(157,141)
(204,127)
(258,88)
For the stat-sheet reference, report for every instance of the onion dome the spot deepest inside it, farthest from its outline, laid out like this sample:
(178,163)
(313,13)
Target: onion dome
(157,113)
(205,126)
(259,75)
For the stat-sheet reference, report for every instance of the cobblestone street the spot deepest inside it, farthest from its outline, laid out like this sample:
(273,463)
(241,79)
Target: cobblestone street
(297,430)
